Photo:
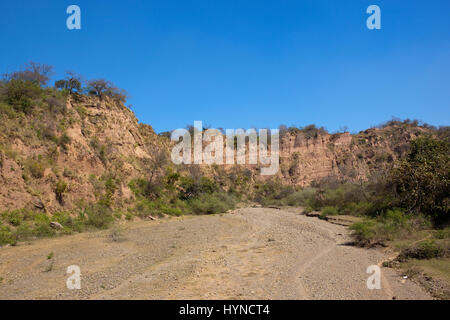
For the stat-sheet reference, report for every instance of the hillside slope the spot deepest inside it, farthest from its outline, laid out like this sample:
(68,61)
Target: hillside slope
(76,149)
(83,143)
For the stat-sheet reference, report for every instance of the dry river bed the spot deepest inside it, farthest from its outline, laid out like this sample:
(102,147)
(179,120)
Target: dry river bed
(253,253)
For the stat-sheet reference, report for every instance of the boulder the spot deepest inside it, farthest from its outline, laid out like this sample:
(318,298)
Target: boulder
(56,225)
(37,203)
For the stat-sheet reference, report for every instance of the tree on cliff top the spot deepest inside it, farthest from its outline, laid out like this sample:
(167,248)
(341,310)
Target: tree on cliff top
(102,88)
(33,72)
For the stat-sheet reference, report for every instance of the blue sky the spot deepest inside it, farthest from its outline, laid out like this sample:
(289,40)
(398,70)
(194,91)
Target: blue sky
(244,63)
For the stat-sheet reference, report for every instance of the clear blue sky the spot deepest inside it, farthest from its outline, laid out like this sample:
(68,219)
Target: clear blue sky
(244,63)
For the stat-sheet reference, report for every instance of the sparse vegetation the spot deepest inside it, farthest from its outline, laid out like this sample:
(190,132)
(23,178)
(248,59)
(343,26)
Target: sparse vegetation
(426,249)
(36,168)
(20,94)
(212,203)
(412,195)
(60,189)
(406,193)
(175,194)
(23,224)
(391,225)
(405,199)
(99,216)
(64,141)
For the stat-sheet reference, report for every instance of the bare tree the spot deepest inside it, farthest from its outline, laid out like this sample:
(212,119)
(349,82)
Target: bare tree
(34,72)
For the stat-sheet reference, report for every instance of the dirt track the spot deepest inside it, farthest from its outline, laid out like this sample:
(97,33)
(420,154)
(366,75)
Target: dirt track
(252,254)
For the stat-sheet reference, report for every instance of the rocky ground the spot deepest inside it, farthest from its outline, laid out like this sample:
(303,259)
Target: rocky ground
(253,253)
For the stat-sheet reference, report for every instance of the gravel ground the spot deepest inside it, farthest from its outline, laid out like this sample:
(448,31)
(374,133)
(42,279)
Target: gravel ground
(254,253)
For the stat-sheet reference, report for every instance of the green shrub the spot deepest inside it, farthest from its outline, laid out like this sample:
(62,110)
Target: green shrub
(194,187)
(99,216)
(145,208)
(40,218)
(64,218)
(170,210)
(308,209)
(111,185)
(212,203)
(36,168)
(17,217)
(284,192)
(24,232)
(389,226)
(356,208)
(15,220)
(138,187)
(339,195)
(28,224)
(8,110)
(60,189)
(6,236)
(329,211)
(79,222)
(265,193)
(364,232)
(422,180)
(396,217)
(304,197)
(442,234)
(43,230)
(427,249)
(129,216)
(20,94)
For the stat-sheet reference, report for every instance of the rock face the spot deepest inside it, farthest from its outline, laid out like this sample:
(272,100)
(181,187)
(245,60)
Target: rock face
(353,157)
(38,203)
(91,142)
(105,139)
